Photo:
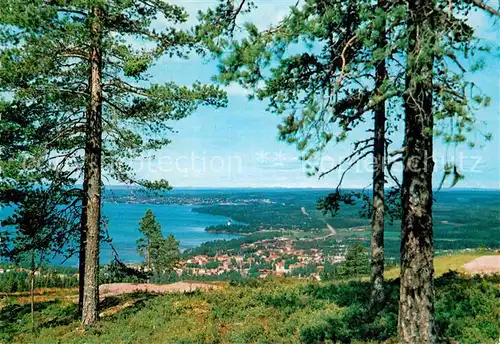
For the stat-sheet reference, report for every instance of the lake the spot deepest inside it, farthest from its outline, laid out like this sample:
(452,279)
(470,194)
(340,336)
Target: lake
(462,218)
(187,226)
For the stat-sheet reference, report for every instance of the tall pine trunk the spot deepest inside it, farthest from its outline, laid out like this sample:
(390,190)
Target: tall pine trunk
(83,236)
(32,290)
(148,254)
(416,304)
(93,154)
(377,239)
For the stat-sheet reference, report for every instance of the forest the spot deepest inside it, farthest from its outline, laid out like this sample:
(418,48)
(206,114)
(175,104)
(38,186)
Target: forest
(233,228)
(79,103)
(474,219)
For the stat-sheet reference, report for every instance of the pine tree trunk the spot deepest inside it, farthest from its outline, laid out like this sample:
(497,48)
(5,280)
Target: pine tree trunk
(148,255)
(32,290)
(416,304)
(377,240)
(93,150)
(83,236)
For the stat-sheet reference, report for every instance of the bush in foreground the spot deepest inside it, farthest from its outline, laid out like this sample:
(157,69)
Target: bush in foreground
(269,311)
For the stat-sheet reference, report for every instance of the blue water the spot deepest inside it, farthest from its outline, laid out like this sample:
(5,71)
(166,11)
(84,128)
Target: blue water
(187,226)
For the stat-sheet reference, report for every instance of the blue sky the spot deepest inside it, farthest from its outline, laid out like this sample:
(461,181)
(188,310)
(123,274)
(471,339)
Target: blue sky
(238,147)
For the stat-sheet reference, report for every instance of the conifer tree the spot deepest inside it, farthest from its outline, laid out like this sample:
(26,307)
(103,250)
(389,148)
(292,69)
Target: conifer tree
(436,88)
(356,262)
(168,255)
(151,239)
(379,147)
(426,42)
(161,254)
(326,90)
(87,62)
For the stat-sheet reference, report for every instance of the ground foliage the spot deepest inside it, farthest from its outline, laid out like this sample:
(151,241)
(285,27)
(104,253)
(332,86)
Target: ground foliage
(269,311)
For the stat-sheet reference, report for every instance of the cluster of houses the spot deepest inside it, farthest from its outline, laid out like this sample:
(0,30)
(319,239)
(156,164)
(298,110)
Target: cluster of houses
(276,256)
(272,252)
(2,270)
(203,265)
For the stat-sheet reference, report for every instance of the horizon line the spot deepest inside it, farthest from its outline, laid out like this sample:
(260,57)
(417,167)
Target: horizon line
(295,187)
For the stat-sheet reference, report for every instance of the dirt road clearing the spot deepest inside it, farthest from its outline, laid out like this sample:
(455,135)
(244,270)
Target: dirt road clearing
(484,265)
(115,289)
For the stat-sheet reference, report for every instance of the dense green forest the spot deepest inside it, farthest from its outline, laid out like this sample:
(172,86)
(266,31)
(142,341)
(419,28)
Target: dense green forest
(211,248)
(233,228)
(272,216)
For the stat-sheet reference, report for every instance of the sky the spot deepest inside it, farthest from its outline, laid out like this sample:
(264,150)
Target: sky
(238,146)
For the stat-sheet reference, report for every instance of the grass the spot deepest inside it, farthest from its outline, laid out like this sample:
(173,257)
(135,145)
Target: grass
(445,263)
(276,310)
(284,310)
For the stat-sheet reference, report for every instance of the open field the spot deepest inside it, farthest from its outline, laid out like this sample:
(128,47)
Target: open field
(443,264)
(484,265)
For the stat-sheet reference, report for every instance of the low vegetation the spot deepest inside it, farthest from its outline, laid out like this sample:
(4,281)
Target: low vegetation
(284,310)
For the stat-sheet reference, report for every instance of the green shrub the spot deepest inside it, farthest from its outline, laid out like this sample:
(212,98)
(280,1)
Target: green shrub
(468,309)
(270,311)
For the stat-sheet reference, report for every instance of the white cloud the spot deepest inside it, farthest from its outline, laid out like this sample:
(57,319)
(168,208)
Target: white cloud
(236,90)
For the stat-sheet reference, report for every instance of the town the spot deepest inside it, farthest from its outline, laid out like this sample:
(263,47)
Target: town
(276,256)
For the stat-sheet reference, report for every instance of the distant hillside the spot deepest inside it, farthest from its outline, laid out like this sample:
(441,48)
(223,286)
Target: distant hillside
(462,218)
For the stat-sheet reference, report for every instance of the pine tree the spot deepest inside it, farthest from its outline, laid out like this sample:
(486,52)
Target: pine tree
(161,254)
(437,35)
(93,169)
(327,89)
(356,262)
(416,307)
(379,146)
(76,59)
(151,240)
(168,255)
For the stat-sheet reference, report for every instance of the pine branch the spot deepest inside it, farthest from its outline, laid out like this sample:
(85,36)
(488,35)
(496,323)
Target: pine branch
(358,151)
(485,7)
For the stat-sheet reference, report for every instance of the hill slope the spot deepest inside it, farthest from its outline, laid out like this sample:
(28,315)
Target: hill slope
(272,311)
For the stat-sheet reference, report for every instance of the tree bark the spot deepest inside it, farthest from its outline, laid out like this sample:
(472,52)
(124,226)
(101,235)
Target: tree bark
(377,239)
(32,290)
(83,236)
(93,153)
(416,304)
(148,255)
